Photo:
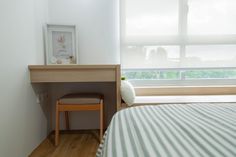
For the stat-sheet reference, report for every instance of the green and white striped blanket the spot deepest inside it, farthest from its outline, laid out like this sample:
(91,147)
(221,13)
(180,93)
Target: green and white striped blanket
(176,130)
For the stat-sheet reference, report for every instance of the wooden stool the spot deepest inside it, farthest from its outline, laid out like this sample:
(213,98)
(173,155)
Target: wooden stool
(78,102)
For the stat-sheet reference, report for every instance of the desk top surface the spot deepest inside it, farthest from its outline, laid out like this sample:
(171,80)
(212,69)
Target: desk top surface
(75,66)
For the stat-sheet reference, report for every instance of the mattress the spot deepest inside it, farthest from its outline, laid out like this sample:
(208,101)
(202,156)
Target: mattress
(175,130)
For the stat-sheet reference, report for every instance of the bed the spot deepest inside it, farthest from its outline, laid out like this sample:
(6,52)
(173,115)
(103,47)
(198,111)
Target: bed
(175,130)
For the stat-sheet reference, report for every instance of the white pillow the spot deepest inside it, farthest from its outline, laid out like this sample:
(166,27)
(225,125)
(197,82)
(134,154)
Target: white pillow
(127,92)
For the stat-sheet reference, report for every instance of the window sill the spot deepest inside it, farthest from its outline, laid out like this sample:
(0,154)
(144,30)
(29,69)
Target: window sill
(185,90)
(148,100)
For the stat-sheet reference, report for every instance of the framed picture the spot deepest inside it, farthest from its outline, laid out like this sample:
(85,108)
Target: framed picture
(61,44)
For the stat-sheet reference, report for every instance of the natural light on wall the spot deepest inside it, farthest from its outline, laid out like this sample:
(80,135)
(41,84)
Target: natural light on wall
(178,41)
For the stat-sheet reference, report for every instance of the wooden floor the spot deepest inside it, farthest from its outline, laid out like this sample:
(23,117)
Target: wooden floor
(72,144)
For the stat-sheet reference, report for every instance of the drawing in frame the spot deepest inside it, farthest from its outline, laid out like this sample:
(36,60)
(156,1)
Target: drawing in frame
(61,44)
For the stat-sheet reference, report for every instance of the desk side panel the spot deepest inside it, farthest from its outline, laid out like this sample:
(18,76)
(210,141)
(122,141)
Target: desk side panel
(118,84)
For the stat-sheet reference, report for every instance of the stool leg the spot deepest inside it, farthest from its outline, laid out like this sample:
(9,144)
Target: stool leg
(67,120)
(57,125)
(101,120)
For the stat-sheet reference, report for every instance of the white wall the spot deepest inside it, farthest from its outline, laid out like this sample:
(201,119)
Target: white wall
(98,27)
(23,123)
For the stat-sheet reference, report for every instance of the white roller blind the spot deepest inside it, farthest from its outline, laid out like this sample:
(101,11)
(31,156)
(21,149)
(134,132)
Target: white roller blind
(212,17)
(151,17)
(178,33)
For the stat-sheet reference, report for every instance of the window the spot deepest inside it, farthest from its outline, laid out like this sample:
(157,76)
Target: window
(178,41)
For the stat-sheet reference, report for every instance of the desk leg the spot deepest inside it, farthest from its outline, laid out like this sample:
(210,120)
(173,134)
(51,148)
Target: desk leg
(57,125)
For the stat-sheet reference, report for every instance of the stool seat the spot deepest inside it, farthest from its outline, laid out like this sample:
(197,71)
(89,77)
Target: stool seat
(78,98)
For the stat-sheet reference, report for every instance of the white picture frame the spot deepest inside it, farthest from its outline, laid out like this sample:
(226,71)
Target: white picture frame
(61,44)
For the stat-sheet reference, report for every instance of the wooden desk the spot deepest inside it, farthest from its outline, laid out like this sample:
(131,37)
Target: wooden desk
(77,73)
(86,75)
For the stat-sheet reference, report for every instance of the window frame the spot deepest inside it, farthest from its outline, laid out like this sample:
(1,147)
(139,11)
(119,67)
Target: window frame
(182,40)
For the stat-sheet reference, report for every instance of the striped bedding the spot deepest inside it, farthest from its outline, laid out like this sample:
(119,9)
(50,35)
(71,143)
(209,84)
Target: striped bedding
(176,130)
